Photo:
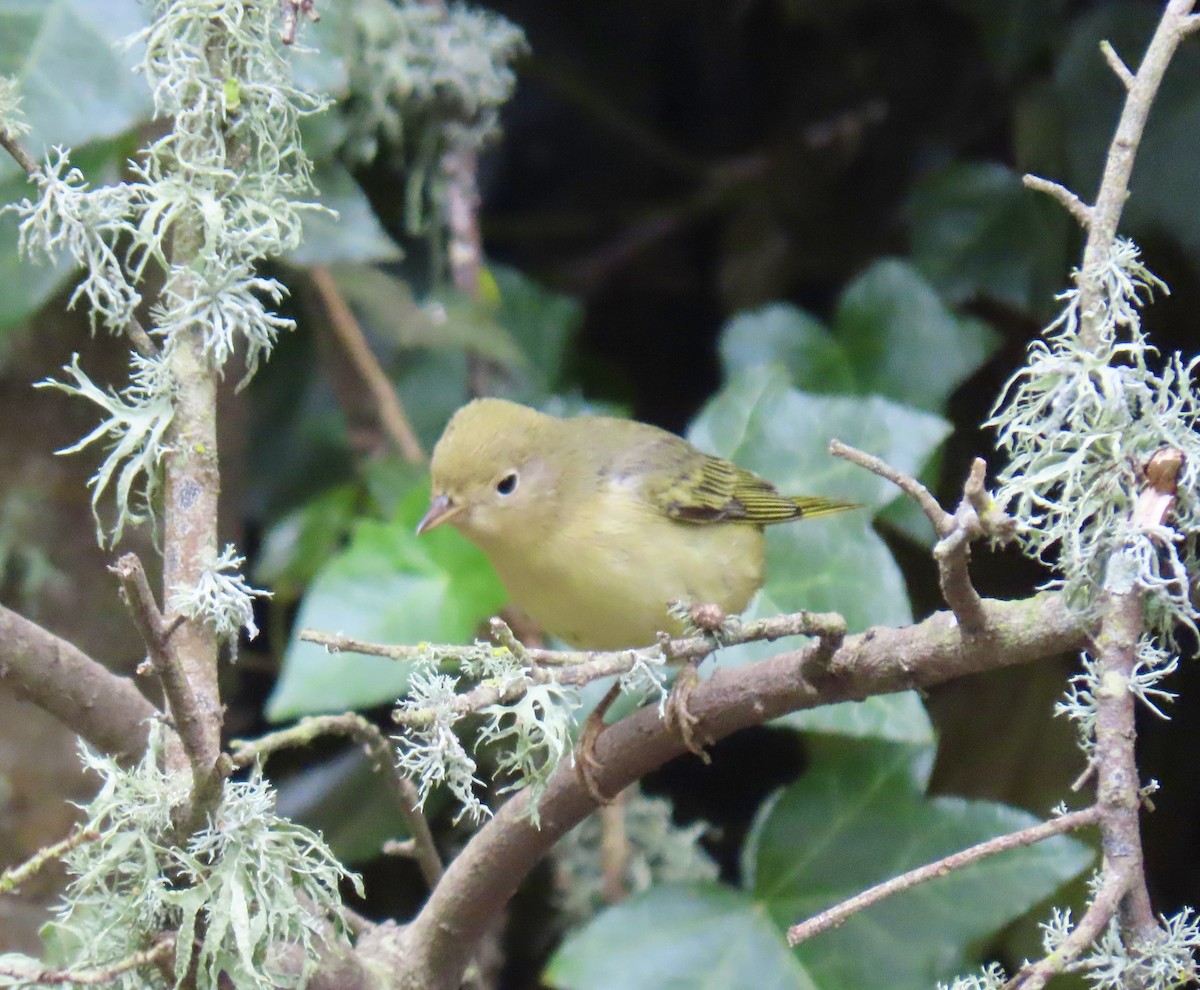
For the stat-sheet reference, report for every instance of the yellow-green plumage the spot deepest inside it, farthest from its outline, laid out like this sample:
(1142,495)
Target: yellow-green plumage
(594,524)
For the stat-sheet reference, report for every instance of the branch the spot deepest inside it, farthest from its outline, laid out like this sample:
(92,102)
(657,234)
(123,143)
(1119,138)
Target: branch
(1118,165)
(14,876)
(190,720)
(1070,202)
(18,153)
(378,750)
(292,9)
(943,522)
(387,402)
(479,882)
(837,915)
(579,667)
(163,947)
(976,517)
(1035,975)
(1117,64)
(106,710)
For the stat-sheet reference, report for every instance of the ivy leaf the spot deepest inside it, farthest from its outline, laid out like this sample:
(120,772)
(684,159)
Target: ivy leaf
(672,937)
(387,586)
(891,336)
(903,340)
(782,335)
(352,232)
(76,86)
(298,544)
(864,818)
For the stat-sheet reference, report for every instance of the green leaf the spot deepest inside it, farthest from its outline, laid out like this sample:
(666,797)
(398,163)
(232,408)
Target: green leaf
(977,231)
(834,563)
(892,336)
(695,937)
(297,545)
(76,86)
(780,334)
(858,816)
(386,304)
(387,586)
(903,341)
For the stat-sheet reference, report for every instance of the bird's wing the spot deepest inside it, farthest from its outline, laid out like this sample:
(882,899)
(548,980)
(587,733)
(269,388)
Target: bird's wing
(695,487)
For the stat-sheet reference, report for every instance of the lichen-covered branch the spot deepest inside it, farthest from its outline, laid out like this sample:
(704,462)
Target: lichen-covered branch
(161,950)
(14,876)
(187,716)
(479,882)
(1142,88)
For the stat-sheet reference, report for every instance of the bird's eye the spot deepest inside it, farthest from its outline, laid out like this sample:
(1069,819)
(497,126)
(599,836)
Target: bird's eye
(508,484)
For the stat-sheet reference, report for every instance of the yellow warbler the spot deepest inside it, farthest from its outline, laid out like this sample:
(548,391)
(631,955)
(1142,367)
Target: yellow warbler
(595,524)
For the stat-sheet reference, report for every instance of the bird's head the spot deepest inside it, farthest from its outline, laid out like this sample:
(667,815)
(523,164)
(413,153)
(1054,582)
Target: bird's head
(491,476)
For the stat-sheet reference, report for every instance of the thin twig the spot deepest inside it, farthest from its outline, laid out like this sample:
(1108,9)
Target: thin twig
(974,518)
(378,750)
(1117,64)
(186,714)
(579,667)
(838,914)
(387,402)
(14,876)
(943,522)
(18,153)
(163,947)
(953,552)
(1072,203)
(465,250)
(291,15)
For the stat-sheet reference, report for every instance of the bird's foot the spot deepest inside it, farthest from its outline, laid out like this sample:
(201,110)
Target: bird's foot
(587,766)
(678,715)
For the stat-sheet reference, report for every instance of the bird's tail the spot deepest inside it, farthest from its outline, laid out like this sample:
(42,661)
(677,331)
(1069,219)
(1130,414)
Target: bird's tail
(811,506)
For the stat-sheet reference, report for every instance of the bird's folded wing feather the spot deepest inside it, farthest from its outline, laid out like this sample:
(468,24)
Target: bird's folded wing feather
(701,488)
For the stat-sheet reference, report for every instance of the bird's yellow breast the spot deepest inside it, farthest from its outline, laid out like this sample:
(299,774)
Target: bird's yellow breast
(602,578)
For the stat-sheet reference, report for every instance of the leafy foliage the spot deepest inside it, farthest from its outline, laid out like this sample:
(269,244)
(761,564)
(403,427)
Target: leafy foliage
(856,817)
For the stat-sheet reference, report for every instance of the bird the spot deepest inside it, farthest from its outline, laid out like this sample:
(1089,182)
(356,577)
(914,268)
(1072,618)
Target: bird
(597,526)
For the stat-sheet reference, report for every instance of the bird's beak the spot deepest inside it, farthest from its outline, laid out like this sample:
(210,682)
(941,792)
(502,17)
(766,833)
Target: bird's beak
(440,510)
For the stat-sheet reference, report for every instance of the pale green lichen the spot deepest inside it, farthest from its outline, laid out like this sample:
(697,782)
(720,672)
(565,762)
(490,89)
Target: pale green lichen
(1079,423)
(221,597)
(236,891)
